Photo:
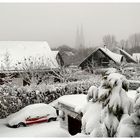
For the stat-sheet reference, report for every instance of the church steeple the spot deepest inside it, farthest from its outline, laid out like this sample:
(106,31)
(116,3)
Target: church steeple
(80,40)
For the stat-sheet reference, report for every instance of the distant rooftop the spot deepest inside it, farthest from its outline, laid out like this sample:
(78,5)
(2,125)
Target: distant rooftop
(19,50)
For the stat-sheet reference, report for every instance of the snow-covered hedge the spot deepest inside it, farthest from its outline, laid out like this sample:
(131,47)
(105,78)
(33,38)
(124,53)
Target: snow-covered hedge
(20,97)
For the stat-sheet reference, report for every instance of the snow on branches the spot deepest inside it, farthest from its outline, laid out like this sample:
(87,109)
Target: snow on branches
(106,106)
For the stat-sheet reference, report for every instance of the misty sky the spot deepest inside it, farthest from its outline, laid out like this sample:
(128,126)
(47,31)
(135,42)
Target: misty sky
(57,23)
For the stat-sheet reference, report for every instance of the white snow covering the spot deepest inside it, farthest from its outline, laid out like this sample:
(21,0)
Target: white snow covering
(92,93)
(113,96)
(19,50)
(131,94)
(127,54)
(78,101)
(134,81)
(91,117)
(116,57)
(129,126)
(54,53)
(31,111)
(110,70)
(136,56)
(51,129)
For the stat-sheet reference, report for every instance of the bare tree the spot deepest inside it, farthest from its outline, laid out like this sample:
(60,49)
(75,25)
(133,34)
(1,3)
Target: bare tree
(109,41)
(5,68)
(33,70)
(5,65)
(38,70)
(134,40)
(123,44)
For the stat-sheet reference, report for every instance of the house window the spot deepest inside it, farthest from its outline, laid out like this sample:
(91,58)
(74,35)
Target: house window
(104,61)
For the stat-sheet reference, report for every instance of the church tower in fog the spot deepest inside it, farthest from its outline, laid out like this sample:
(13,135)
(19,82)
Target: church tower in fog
(80,40)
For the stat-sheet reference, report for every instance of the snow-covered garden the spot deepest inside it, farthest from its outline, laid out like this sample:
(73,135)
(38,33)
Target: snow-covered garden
(111,108)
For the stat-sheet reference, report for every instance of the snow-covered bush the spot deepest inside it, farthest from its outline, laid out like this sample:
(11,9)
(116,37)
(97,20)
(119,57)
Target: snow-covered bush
(111,96)
(92,93)
(42,93)
(8,105)
(129,125)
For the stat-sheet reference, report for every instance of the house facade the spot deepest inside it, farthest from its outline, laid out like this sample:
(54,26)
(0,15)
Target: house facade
(102,57)
(20,57)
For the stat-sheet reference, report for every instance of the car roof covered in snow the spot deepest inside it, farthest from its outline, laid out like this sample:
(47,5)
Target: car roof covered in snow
(18,51)
(32,111)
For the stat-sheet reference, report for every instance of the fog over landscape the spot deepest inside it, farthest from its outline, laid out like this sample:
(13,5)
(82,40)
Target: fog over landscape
(57,23)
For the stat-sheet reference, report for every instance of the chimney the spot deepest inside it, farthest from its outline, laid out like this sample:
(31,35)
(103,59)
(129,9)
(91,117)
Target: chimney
(105,47)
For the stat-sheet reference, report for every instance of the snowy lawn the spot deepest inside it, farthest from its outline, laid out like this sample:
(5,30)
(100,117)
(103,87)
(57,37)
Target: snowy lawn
(51,129)
(131,93)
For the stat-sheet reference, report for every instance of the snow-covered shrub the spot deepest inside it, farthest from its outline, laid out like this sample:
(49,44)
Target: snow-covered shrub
(92,93)
(91,118)
(44,93)
(8,105)
(134,84)
(129,125)
(114,102)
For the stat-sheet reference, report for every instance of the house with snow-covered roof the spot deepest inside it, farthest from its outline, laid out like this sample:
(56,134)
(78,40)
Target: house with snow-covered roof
(18,51)
(15,56)
(102,57)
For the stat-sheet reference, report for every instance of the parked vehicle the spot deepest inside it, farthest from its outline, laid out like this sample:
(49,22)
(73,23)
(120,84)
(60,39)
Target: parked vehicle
(31,114)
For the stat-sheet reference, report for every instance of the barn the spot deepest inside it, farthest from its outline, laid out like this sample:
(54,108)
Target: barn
(20,56)
(103,58)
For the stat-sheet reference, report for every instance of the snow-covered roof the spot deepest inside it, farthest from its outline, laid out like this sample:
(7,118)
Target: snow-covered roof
(114,56)
(54,53)
(128,57)
(19,50)
(136,56)
(117,58)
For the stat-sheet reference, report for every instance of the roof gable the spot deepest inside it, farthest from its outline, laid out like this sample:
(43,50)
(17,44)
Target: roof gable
(117,58)
(128,57)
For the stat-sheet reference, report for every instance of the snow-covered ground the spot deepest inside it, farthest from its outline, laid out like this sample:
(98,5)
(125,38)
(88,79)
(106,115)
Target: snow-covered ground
(51,129)
(131,93)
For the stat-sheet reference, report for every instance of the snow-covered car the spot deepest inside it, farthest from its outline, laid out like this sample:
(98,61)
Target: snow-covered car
(31,114)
